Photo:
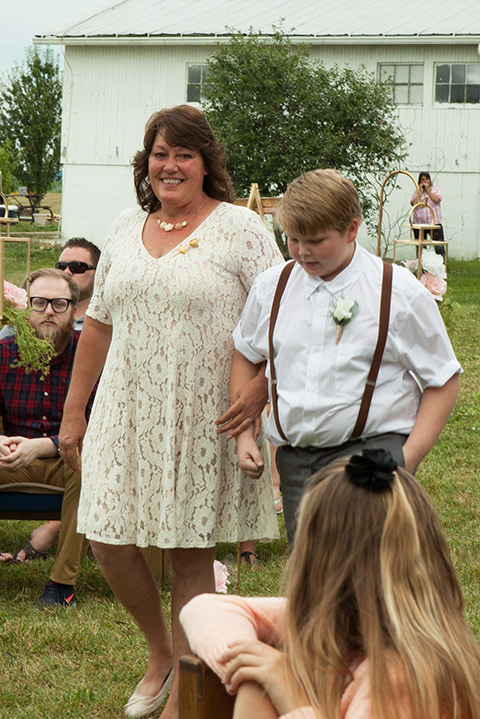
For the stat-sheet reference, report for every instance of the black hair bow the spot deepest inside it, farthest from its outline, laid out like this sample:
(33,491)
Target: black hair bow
(373,469)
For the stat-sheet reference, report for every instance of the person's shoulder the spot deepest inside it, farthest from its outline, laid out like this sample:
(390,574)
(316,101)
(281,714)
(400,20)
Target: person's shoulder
(269,277)
(242,215)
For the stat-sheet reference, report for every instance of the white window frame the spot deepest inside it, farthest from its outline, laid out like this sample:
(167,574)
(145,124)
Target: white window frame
(409,84)
(449,84)
(189,84)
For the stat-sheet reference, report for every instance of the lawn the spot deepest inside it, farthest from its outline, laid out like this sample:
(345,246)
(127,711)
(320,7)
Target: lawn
(86,662)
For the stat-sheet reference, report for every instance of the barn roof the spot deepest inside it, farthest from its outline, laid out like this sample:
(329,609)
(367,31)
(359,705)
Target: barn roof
(313,20)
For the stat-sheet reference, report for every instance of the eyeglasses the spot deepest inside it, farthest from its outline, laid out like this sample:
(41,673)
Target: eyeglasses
(75,267)
(59,304)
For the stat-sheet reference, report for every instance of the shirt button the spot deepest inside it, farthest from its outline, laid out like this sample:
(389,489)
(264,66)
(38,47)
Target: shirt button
(44,418)
(44,434)
(46,394)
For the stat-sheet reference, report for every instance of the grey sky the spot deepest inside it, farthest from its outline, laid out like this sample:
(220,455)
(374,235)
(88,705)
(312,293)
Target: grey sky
(20,24)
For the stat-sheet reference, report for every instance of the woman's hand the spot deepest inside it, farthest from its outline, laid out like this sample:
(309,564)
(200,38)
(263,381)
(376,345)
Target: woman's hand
(254,661)
(70,438)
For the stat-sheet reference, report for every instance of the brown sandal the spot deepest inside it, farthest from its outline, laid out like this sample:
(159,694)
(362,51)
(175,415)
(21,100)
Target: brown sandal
(249,558)
(30,554)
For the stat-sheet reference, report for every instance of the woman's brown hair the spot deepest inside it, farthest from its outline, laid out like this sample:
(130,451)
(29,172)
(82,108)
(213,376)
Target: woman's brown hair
(184,126)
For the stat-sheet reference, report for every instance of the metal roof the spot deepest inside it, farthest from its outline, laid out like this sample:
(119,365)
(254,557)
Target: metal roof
(299,18)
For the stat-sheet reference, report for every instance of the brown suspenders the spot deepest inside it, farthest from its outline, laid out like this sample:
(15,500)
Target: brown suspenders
(384,318)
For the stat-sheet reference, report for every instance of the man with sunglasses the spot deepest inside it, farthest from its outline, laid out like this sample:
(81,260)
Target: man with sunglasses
(32,409)
(79,259)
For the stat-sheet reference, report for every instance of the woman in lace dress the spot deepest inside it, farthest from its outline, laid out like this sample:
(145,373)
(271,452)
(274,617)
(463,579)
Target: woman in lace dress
(170,287)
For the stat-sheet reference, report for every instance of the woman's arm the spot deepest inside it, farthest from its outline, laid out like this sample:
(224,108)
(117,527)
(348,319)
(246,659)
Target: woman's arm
(248,395)
(89,360)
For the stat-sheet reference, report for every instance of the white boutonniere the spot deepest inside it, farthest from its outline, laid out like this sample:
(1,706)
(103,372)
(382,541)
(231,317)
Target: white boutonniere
(343,311)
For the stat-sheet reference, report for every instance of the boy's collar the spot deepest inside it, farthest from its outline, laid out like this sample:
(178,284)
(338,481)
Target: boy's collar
(339,283)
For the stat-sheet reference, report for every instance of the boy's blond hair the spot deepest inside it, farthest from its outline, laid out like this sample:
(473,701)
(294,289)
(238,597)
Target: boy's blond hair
(318,200)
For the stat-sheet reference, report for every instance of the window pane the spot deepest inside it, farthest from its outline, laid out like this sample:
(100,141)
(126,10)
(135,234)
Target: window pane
(473,93)
(193,93)
(401,73)
(458,73)
(443,73)
(416,94)
(401,94)
(194,73)
(457,93)
(441,93)
(473,74)
(386,72)
(416,73)
(204,69)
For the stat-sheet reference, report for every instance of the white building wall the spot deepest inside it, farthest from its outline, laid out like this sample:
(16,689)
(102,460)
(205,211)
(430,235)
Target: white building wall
(111,91)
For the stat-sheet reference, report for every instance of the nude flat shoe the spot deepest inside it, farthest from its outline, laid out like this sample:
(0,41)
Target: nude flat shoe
(139,705)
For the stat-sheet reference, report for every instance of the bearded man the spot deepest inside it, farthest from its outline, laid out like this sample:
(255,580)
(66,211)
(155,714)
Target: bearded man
(32,409)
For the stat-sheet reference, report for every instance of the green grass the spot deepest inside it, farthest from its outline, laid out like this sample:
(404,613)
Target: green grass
(86,662)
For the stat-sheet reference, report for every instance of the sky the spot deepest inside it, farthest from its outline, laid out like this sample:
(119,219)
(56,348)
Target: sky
(33,17)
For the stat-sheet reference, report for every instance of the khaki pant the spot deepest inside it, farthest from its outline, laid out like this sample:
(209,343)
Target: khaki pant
(72,546)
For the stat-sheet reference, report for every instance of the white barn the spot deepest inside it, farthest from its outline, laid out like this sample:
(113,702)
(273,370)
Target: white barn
(134,57)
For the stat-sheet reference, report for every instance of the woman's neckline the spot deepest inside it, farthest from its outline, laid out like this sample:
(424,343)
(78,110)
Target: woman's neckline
(184,242)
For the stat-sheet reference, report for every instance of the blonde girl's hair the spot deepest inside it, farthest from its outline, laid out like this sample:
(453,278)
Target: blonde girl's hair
(316,201)
(371,576)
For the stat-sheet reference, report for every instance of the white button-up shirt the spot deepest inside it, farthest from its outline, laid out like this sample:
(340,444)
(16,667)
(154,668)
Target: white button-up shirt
(319,383)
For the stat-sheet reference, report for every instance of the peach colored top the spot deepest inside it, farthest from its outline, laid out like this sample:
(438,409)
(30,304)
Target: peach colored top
(212,622)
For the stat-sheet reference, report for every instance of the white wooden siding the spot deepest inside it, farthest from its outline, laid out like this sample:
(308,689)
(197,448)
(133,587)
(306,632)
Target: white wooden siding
(111,91)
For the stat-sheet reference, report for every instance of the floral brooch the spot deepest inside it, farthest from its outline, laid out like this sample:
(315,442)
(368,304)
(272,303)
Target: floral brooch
(181,250)
(342,312)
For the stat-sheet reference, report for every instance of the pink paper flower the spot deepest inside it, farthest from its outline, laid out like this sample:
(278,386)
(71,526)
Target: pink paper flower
(436,285)
(221,577)
(15,295)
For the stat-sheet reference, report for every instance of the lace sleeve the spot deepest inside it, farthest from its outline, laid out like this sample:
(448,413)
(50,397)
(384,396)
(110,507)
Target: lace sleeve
(257,249)
(97,309)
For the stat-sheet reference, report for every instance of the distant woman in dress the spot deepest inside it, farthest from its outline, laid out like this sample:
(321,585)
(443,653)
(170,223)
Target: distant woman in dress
(170,287)
(423,216)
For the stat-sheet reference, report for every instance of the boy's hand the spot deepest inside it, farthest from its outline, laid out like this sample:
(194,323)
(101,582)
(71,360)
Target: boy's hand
(250,459)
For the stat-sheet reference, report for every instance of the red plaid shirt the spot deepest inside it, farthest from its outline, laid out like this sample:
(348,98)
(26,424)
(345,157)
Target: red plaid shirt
(31,407)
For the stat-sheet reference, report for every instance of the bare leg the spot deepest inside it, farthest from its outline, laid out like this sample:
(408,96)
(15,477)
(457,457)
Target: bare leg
(42,537)
(130,579)
(252,701)
(192,574)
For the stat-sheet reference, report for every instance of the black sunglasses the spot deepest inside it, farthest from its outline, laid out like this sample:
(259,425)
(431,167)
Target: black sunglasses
(75,267)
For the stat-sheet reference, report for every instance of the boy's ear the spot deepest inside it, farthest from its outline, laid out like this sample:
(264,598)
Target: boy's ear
(353,230)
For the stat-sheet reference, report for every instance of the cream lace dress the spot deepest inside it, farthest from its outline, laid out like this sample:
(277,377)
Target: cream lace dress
(154,471)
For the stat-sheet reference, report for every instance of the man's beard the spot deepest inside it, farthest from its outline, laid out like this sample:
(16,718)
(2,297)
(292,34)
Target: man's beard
(59,336)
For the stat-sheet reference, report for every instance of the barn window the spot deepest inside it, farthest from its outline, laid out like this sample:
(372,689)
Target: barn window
(458,83)
(406,81)
(196,75)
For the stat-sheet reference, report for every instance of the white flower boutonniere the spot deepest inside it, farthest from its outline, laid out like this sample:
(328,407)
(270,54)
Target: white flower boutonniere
(343,311)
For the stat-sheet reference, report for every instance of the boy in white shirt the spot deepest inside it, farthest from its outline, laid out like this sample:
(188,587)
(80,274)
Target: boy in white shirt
(320,380)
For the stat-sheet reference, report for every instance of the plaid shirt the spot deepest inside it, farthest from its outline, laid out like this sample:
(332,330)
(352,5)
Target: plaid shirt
(422,215)
(31,407)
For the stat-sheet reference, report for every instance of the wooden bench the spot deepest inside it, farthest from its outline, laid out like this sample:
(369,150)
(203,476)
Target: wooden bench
(202,694)
(30,501)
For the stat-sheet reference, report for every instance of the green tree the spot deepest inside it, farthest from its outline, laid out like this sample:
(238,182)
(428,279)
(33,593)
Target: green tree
(30,118)
(7,165)
(280,114)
